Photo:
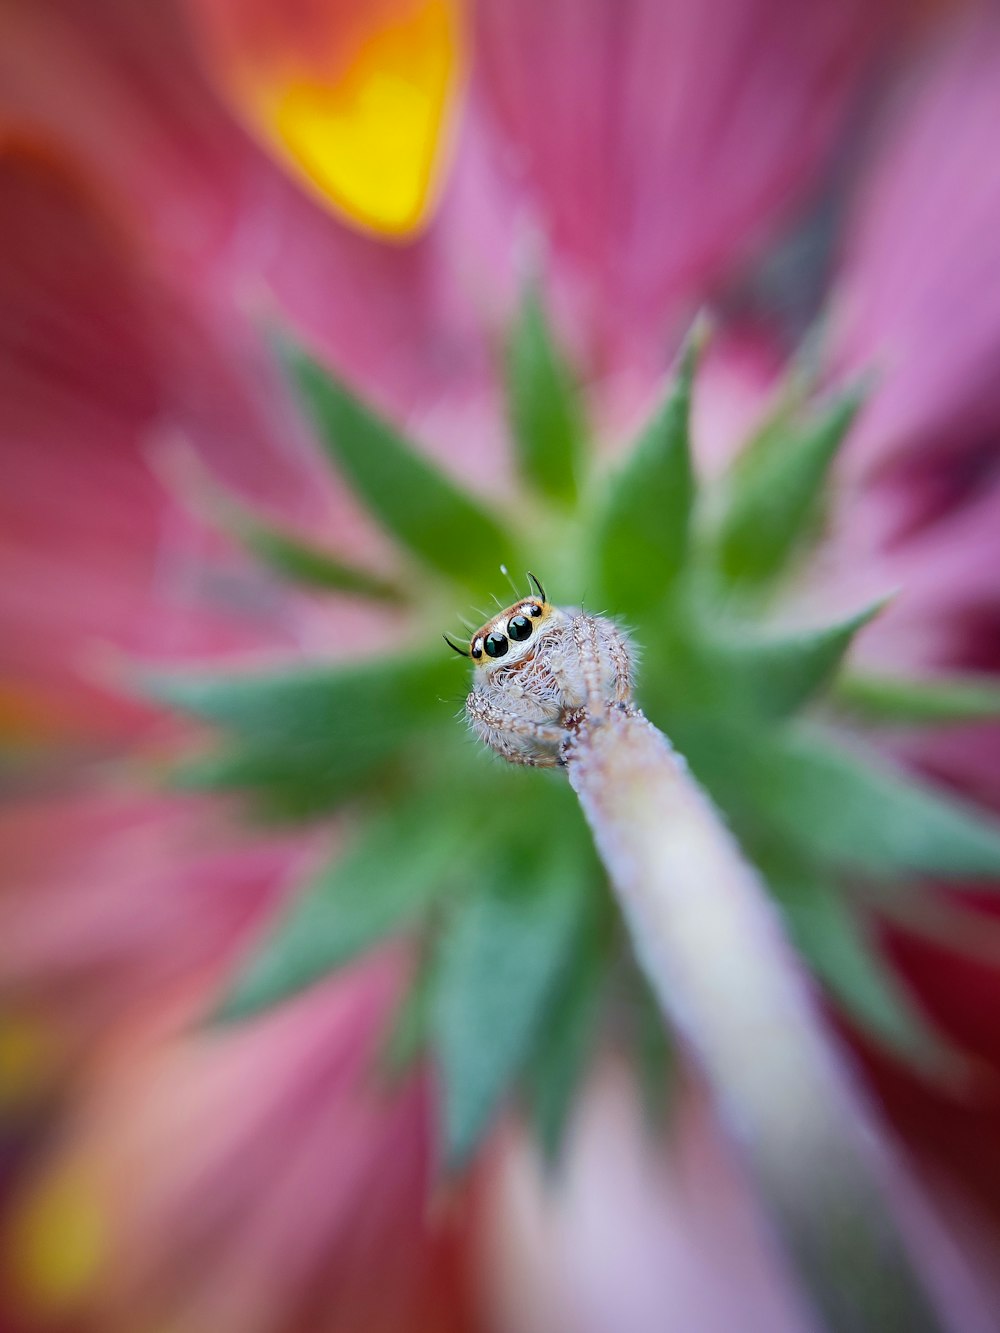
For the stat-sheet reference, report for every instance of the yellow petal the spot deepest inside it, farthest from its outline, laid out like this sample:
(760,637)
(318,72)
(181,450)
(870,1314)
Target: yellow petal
(29,718)
(27,1058)
(357,98)
(60,1240)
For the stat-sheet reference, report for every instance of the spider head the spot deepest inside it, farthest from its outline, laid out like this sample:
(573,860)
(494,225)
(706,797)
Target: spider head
(508,635)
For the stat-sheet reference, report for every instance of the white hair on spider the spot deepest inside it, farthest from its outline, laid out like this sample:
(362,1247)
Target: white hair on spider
(538,670)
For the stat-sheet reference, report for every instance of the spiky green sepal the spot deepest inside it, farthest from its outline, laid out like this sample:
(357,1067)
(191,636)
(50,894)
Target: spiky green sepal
(489,870)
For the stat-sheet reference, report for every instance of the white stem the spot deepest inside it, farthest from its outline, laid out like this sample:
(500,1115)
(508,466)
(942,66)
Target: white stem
(713,948)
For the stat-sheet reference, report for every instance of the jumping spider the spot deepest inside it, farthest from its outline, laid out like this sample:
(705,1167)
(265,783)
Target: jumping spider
(540,670)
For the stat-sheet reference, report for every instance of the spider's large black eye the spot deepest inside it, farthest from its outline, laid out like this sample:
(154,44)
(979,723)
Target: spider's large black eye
(519,628)
(496,645)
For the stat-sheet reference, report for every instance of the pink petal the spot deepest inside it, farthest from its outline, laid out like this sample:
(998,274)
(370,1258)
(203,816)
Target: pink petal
(637,1236)
(954,1134)
(661,141)
(100,364)
(115,84)
(119,88)
(918,295)
(631,1236)
(117,909)
(260,1180)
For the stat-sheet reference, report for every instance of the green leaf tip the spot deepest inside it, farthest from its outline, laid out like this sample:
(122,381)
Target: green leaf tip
(774,676)
(543,403)
(422,508)
(500,962)
(405,1039)
(325,726)
(934,701)
(398,866)
(301,561)
(566,1037)
(852,812)
(655,1060)
(302,702)
(774,489)
(832,936)
(642,530)
(285,552)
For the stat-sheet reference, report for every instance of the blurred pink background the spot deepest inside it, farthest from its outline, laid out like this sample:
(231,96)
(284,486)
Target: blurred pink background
(381,174)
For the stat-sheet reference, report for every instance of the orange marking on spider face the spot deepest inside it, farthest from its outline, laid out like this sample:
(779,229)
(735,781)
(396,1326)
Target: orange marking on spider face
(498,625)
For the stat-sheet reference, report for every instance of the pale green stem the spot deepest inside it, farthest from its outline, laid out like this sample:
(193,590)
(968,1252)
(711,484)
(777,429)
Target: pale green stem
(713,948)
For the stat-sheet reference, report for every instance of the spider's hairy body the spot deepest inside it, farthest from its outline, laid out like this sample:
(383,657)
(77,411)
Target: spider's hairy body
(538,670)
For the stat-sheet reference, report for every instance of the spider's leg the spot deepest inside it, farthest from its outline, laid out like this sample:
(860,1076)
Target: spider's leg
(486,716)
(584,631)
(622,664)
